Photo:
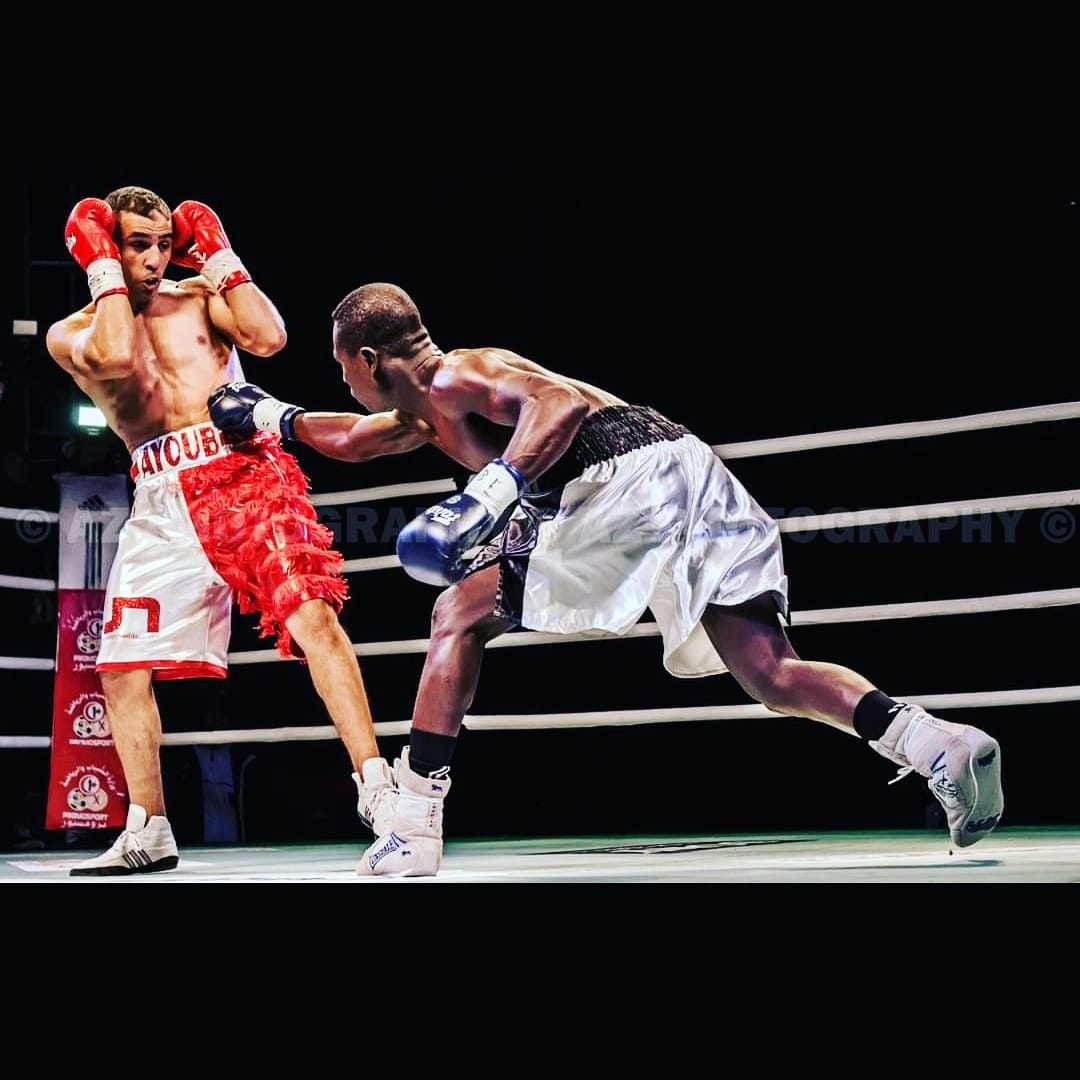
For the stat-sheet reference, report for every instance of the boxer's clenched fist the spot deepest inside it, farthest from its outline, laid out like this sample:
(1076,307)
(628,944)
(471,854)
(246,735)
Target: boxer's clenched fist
(88,235)
(200,243)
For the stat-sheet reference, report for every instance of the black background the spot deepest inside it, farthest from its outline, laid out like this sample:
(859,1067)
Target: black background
(800,270)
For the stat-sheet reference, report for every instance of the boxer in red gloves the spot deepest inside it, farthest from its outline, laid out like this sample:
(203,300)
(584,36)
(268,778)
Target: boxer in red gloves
(234,515)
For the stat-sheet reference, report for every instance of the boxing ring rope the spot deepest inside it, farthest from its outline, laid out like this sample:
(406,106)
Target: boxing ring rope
(914,429)
(1044,695)
(802,523)
(829,616)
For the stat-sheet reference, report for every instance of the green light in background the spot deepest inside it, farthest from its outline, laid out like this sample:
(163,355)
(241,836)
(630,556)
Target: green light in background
(89,416)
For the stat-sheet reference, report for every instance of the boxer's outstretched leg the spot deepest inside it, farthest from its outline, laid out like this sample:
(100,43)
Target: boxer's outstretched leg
(962,764)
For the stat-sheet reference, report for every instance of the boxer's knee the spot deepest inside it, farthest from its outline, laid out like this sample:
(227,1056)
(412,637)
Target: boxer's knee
(313,624)
(773,681)
(468,608)
(122,688)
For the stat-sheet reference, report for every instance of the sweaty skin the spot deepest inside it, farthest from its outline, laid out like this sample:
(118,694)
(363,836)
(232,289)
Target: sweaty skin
(159,380)
(471,397)
(150,359)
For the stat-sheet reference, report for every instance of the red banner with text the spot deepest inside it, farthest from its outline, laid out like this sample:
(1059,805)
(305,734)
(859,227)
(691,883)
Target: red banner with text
(86,782)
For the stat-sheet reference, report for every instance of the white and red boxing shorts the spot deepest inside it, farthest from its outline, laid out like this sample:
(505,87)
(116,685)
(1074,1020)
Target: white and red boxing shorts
(212,523)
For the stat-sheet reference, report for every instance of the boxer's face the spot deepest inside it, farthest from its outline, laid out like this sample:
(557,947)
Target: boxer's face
(145,250)
(359,376)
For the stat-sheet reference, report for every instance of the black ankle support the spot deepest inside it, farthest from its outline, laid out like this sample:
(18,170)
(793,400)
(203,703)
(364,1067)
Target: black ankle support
(429,751)
(874,714)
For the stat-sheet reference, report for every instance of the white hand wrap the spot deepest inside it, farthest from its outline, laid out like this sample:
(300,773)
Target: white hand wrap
(267,414)
(496,486)
(105,276)
(221,266)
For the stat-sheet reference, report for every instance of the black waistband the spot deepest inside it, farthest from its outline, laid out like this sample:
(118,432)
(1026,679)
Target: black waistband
(607,433)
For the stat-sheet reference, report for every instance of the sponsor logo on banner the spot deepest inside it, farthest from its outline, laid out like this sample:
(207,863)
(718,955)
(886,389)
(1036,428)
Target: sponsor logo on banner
(89,724)
(86,781)
(89,793)
(85,639)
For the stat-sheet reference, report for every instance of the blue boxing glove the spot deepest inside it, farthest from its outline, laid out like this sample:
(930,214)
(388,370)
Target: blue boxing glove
(243,409)
(433,547)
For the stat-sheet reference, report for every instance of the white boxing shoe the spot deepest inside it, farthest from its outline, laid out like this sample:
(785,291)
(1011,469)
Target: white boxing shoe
(378,795)
(962,766)
(412,846)
(146,846)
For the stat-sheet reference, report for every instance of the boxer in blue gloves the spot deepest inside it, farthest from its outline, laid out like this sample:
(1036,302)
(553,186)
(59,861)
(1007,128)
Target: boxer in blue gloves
(584,511)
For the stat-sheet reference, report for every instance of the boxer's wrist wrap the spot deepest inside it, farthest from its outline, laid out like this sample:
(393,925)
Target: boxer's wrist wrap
(271,414)
(105,276)
(224,270)
(497,485)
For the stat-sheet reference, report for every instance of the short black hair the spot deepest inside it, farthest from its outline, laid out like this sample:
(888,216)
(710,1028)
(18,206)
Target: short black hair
(378,315)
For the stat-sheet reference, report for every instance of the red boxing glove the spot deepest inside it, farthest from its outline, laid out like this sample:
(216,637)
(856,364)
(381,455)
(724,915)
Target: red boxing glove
(88,236)
(200,243)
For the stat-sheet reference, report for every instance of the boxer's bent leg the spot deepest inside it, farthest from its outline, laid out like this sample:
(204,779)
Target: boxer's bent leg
(462,623)
(262,534)
(961,764)
(754,645)
(335,674)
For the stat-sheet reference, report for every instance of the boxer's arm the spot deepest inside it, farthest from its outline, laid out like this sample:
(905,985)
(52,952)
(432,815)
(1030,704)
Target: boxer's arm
(544,410)
(96,343)
(353,437)
(99,341)
(244,409)
(237,307)
(248,318)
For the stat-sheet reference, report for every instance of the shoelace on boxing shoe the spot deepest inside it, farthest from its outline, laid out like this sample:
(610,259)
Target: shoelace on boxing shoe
(371,806)
(905,770)
(941,784)
(130,849)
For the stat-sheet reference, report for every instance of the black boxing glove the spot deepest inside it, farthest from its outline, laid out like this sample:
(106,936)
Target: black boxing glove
(243,409)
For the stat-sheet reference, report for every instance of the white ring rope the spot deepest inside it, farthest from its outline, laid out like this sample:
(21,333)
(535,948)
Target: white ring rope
(822,617)
(387,491)
(35,583)
(887,516)
(922,609)
(830,616)
(26,663)
(804,523)
(15,513)
(916,429)
(1046,695)
(786,444)
(377,562)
